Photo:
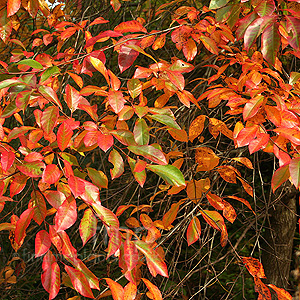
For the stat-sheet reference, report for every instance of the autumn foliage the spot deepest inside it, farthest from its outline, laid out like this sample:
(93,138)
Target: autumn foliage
(94,115)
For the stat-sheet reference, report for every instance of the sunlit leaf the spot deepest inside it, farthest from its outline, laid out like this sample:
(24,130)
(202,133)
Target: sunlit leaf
(88,226)
(66,215)
(79,282)
(156,261)
(168,173)
(154,290)
(42,243)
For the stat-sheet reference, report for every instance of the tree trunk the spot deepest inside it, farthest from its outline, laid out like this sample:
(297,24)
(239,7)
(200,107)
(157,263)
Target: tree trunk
(278,238)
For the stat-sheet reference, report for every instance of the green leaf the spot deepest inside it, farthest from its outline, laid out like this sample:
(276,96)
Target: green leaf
(215,4)
(280,176)
(88,226)
(167,120)
(70,158)
(150,153)
(10,82)
(270,41)
(168,173)
(98,178)
(10,109)
(31,63)
(49,72)
(116,159)
(141,132)
(32,169)
(134,87)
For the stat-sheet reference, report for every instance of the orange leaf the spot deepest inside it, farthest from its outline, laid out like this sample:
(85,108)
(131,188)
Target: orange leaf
(130,291)
(281,293)
(153,289)
(262,289)
(130,26)
(254,267)
(116,289)
(195,188)
(206,159)
(12,7)
(196,127)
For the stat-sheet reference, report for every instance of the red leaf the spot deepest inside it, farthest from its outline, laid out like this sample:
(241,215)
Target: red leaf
(12,7)
(55,198)
(140,177)
(99,20)
(259,143)
(193,231)
(90,138)
(22,225)
(130,26)
(209,44)
(270,42)
(265,8)
(116,289)
(51,174)
(66,215)
(33,156)
(88,226)
(127,55)
(154,290)
(106,216)
(79,282)
(131,254)
(116,100)
(214,219)
(114,241)
(177,79)
(64,135)
(42,243)
(17,185)
(76,185)
(7,160)
(105,141)
(246,135)
(51,279)
(90,194)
